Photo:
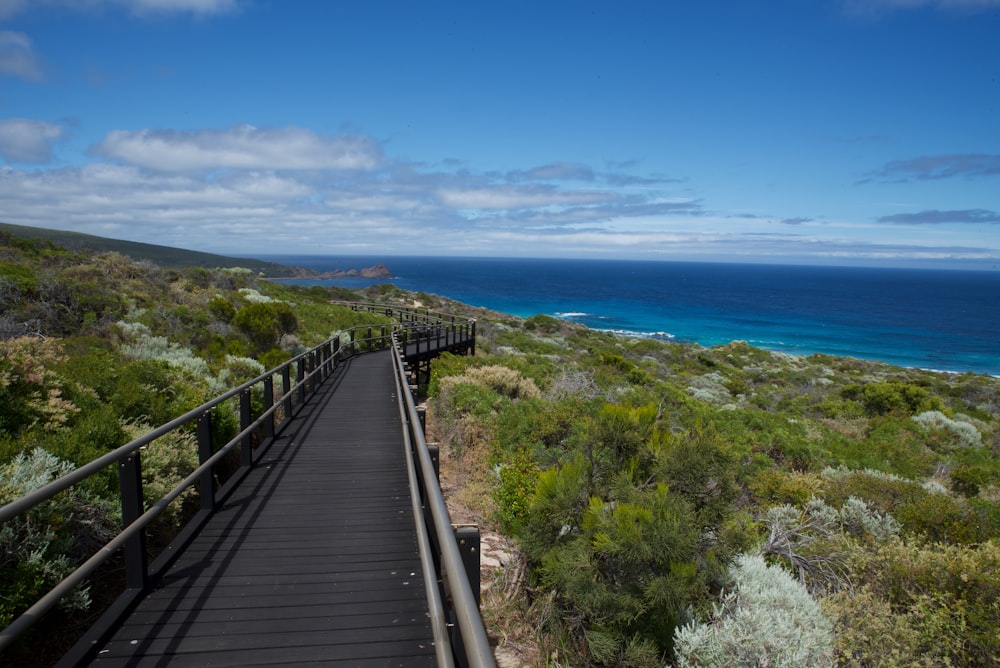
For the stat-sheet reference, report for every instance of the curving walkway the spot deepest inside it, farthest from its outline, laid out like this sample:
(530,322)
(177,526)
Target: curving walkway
(312,560)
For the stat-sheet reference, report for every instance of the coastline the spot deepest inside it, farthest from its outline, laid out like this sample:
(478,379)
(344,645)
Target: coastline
(931,319)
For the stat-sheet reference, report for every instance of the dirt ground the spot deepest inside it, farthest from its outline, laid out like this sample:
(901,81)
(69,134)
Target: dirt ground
(501,570)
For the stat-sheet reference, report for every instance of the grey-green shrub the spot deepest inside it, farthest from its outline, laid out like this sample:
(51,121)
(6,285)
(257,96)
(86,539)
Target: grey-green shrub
(964,431)
(41,547)
(766,618)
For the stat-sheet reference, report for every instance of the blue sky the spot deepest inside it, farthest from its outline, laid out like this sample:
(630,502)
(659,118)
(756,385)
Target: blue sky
(807,131)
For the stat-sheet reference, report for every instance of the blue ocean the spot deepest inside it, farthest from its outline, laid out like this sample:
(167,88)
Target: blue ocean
(926,318)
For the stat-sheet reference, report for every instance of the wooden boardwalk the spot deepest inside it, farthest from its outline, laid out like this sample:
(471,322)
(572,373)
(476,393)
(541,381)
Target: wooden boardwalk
(312,560)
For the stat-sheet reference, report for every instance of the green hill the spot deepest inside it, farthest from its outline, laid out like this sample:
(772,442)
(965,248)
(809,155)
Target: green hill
(165,256)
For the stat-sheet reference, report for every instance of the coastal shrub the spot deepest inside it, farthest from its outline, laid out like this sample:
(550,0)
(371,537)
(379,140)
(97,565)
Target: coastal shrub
(894,396)
(968,479)
(42,546)
(222,309)
(542,323)
(153,391)
(870,632)
(144,347)
(764,618)
(965,433)
(628,574)
(555,507)
(712,388)
(31,390)
(515,484)
(920,510)
(948,595)
(701,467)
(253,296)
(893,443)
(771,486)
(502,380)
(165,462)
(807,543)
(786,441)
(265,323)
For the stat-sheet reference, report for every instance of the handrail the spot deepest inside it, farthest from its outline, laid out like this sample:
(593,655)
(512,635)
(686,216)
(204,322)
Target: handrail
(473,633)
(321,359)
(312,368)
(436,608)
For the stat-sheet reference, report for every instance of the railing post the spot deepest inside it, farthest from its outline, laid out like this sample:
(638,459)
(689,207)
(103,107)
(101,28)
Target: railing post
(286,389)
(130,479)
(268,404)
(301,369)
(246,445)
(206,486)
(468,545)
(435,452)
(422,416)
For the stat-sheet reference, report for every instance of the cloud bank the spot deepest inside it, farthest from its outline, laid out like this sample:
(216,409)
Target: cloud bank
(17,57)
(249,190)
(28,140)
(935,217)
(240,147)
(931,167)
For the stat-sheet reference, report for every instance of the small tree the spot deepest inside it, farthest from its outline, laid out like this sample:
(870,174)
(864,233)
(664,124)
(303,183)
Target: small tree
(265,323)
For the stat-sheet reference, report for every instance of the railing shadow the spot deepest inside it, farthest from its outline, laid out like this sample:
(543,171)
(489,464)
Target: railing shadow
(286,390)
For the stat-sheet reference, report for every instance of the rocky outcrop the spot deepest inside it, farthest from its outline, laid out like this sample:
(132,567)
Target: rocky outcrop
(378,270)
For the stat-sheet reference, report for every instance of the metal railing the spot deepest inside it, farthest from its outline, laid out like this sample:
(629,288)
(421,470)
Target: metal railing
(440,556)
(310,370)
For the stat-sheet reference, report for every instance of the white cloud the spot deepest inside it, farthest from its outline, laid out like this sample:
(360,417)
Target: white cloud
(28,140)
(239,147)
(250,191)
(199,7)
(17,57)
(509,197)
(9,8)
(880,7)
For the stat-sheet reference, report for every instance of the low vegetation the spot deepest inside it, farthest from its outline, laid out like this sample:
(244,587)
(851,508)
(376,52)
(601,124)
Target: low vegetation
(670,504)
(676,505)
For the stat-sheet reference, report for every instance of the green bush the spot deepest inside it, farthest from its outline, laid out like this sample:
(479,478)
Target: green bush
(543,323)
(629,574)
(946,599)
(515,484)
(265,323)
(702,468)
(894,396)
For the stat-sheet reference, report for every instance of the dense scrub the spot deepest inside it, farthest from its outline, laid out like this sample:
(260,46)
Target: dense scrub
(97,349)
(672,504)
(731,506)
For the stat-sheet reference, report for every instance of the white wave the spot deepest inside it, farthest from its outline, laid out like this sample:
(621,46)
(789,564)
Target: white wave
(638,335)
(571,314)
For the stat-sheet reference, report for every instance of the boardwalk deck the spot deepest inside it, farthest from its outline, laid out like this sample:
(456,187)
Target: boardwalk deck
(312,561)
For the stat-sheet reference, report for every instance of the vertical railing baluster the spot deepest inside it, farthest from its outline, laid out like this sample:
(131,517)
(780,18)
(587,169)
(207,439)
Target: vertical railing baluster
(206,485)
(246,444)
(301,369)
(130,479)
(286,391)
(269,426)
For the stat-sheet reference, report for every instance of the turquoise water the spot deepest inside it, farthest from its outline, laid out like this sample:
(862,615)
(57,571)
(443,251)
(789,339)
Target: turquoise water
(935,319)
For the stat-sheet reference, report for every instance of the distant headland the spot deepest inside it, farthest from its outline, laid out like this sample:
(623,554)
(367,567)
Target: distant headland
(377,270)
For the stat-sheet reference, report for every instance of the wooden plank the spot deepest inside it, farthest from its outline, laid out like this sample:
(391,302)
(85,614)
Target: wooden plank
(312,561)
